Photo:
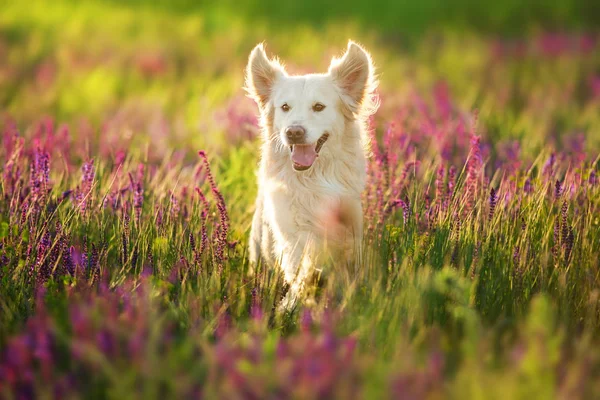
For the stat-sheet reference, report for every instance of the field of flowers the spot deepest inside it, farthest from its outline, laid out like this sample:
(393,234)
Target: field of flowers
(127,189)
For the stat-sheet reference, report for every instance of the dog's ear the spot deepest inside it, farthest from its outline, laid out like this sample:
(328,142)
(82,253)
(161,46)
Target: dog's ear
(261,75)
(354,75)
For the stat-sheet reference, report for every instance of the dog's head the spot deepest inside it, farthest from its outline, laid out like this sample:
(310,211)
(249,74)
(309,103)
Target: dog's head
(308,113)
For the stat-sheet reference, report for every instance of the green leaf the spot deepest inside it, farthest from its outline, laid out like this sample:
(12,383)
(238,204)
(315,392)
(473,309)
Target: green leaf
(3,230)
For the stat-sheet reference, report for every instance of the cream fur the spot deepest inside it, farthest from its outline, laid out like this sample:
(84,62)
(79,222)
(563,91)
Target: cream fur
(301,217)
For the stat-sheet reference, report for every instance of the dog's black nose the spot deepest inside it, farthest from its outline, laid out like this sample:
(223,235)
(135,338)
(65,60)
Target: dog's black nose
(295,134)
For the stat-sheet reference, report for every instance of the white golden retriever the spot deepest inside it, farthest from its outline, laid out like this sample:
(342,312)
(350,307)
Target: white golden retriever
(313,162)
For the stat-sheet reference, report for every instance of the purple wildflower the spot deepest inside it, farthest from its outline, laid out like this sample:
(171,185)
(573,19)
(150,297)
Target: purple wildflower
(43,168)
(223,228)
(239,120)
(593,179)
(174,205)
(306,320)
(159,215)
(255,310)
(557,189)
(569,244)
(405,210)
(548,169)
(34,175)
(516,256)
(192,241)
(565,228)
(204,216)
(393,205)
(120,157)
(556,237)
(138,196)
(493,201)
(84,192)
(439,188)
(451,182)
(528,187)
(474,170)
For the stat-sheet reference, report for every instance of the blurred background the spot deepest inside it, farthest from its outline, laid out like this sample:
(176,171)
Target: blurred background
(170,72)
(112,101)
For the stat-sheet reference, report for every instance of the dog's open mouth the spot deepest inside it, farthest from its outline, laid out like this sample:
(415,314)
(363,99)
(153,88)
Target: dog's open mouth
(304,155)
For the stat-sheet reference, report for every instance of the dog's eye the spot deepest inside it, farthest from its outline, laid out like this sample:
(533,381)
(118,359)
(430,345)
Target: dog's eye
(318,107)
(285,107)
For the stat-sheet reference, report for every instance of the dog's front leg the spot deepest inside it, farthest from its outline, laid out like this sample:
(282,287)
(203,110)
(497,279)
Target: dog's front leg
(261,239)
(297,263)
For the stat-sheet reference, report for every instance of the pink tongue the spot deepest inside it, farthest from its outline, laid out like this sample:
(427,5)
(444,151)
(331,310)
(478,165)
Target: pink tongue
(304,155)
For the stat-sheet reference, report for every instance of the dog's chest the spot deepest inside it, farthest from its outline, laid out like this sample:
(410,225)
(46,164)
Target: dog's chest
(305,205)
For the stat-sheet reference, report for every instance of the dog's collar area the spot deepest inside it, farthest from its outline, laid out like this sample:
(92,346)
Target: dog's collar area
(308,153)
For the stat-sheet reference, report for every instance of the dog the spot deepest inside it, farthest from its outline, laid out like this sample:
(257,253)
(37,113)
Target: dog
(312,168)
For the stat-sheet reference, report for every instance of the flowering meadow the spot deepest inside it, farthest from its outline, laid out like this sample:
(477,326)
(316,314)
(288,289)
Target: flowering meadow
(127,189)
